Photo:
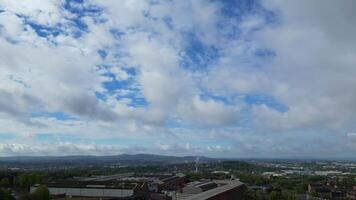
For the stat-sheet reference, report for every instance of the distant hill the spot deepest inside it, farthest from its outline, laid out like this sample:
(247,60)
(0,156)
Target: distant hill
(122,159)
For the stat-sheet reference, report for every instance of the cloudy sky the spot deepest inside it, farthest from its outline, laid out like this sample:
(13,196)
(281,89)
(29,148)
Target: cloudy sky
(237,78)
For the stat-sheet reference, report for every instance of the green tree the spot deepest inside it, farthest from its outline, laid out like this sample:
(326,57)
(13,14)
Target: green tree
(41,193)
(4,194)
(276,196)
(27,179)
(27,197)
(195,176)
(289,197)
(5,182)
(250,195)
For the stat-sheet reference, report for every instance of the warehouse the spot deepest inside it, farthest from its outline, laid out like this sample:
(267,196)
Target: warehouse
(230,190)
(73,188)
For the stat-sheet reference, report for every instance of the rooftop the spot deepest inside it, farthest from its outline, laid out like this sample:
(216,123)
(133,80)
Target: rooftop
(94,184)
(213,192)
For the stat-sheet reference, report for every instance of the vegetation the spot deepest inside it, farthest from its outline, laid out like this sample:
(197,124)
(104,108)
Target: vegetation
(40,193)
(252,179)
(5,182)
(25,180)
(280,187)
(5,194)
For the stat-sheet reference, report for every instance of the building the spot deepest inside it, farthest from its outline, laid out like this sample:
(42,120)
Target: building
(199,187)
(351,194)
(121,186)
(270,174)
(158,182)
(328,173)
(227,190)
(141,186)
(102,189)
(318,190)
(172,182)
(327,192)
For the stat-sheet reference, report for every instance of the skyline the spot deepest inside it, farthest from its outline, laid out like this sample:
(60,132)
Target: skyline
(229,79)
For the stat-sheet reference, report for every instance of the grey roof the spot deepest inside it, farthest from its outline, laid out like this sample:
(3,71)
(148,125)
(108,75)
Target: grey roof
(207,186)
(94,184)
(213,192)
(107,178)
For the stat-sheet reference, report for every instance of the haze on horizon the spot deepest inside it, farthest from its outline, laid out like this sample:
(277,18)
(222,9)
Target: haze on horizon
(236,78)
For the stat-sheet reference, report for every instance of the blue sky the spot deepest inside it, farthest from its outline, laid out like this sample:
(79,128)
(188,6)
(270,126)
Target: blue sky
(237,78)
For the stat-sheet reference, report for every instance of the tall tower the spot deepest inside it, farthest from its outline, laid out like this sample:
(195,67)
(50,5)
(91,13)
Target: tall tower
(197,165)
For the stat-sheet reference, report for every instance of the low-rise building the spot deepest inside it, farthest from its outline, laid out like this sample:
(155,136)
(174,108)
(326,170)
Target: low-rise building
(120,186)
(199,186)
(103,189)
(234,190)
(271,174)
(328,173)
(327,192)
(351,194)
(210,190)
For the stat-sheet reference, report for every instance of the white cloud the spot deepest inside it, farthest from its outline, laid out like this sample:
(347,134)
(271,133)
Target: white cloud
(11,24)
(57,149)
(313,63)
(208,113)
(46,12)
(311,72)
(119,73)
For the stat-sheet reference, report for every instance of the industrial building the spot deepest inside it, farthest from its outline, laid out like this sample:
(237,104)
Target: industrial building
(213,190)
(122,186)
(199,187)
(142,186)
(123,190)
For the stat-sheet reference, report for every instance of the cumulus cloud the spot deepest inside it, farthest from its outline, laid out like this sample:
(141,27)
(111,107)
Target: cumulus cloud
(209,113)
(57,149)
(316,77)
(180,70)
(191,149)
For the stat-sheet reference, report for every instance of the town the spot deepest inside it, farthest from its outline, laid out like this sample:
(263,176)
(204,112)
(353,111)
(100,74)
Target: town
(210,179)
(177,100)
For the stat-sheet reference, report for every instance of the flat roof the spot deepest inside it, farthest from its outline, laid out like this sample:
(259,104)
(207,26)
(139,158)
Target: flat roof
(93,184)
(105,178)
(216,191)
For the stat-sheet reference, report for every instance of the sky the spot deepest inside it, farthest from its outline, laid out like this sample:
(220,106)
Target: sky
(219,78)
